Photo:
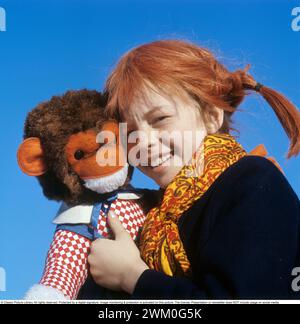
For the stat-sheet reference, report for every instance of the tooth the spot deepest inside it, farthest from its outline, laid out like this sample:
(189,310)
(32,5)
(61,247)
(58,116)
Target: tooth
(159,161)
(166,158)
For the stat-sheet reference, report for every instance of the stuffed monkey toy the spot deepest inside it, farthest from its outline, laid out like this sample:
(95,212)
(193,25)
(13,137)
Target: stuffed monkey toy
(60,148)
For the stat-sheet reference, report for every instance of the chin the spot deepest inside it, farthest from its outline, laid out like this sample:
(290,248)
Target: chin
(169,177)
(164,181)
(109,183)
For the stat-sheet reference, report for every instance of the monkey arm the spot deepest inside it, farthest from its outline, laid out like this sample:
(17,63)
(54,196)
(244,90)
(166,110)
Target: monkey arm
(66,267)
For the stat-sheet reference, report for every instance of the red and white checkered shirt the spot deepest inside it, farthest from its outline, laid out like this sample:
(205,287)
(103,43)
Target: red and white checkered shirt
(66,264)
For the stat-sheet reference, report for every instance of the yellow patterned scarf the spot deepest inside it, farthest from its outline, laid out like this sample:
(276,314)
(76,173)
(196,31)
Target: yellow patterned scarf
(160,243)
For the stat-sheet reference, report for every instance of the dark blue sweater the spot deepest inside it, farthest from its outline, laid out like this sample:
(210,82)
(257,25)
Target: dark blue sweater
(242,238)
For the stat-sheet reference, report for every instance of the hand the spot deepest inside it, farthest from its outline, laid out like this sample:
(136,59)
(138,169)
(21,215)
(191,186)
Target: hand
(116,264)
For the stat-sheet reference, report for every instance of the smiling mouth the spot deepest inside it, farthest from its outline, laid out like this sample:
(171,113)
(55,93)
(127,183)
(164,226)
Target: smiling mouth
(161,160)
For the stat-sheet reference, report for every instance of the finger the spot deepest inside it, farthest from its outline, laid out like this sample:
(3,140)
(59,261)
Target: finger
(90,259)
(95,244)
(116,226)
(94,250)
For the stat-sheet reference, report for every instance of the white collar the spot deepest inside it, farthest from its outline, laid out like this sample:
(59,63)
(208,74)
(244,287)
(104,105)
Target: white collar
(81,214)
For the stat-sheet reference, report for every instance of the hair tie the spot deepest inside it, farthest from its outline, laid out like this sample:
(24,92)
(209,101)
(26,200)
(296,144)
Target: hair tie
(258,87)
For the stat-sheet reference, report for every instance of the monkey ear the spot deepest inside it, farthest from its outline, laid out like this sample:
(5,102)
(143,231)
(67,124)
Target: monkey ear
(31,157)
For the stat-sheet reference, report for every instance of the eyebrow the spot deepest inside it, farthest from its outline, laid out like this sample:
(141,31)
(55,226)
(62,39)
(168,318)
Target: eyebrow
(149,113)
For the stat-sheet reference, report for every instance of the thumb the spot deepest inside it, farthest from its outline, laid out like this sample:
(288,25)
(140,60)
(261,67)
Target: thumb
(115,225)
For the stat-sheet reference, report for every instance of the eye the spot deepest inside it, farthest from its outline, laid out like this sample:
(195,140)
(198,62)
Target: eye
(79,154)
(159,119)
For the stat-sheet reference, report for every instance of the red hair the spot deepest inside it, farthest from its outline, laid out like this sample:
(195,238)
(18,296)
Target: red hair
(183,68)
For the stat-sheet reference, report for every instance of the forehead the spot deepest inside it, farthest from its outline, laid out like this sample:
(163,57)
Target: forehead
(152,99)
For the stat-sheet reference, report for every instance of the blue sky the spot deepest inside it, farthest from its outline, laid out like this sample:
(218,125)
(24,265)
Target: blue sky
(52,46)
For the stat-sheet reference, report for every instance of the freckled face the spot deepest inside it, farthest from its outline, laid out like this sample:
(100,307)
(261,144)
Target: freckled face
(174,129)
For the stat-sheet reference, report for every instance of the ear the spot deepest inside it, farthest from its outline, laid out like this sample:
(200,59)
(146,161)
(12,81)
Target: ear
(213,119)
(31,157)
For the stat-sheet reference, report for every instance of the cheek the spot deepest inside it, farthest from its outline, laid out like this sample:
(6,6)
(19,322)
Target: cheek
(188,141)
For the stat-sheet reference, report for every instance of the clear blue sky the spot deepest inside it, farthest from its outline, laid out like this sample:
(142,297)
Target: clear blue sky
(52,46)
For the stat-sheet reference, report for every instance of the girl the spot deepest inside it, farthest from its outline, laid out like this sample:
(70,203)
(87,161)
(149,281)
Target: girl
(228,223)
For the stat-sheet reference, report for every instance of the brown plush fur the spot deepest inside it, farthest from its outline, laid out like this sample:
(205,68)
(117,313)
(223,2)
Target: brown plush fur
(53,122)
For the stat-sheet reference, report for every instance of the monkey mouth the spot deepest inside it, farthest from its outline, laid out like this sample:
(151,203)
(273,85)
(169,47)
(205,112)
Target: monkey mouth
(108,183)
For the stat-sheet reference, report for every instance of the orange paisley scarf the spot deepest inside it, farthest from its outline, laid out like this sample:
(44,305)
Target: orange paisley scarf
(160,244)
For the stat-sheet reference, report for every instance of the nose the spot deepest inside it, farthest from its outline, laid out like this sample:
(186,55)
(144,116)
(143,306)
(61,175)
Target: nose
(145,140)
(149,139)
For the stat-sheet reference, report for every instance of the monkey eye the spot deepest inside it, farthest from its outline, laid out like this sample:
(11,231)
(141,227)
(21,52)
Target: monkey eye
(79,154)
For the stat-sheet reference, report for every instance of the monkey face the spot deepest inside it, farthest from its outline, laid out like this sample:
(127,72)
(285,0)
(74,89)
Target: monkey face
(63,149)
(98,159)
